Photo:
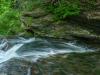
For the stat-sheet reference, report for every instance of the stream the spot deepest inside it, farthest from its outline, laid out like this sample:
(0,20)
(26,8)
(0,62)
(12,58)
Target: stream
(17,55)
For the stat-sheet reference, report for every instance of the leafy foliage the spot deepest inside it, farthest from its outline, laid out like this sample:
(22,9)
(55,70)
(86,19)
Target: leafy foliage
(64,8)
(9,18)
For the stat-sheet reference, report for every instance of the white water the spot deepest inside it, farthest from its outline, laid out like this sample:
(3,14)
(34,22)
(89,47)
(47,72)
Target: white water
(34,54)
(29,71)
(11,53)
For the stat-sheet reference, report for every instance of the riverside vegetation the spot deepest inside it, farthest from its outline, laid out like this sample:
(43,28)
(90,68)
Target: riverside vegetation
(9,18)
(11,12)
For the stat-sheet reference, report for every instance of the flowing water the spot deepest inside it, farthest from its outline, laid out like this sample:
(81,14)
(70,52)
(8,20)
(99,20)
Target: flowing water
(18,54)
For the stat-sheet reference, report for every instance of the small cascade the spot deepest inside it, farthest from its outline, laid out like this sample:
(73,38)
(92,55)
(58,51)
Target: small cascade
(29,71)
(3,44)
(21,50)
(38,52)
(11,53)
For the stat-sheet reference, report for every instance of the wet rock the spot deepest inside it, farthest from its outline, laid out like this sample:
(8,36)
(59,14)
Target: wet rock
(93,15)
(14,67)
(73,64)
(36,13)
(42,23)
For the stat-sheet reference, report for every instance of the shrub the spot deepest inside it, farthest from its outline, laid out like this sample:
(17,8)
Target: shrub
(63,8)
(9,18)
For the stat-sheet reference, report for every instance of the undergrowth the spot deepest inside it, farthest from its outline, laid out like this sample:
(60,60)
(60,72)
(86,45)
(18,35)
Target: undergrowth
(63,8)
(9,18)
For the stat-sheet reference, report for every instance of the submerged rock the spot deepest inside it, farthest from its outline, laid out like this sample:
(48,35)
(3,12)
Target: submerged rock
(73,64)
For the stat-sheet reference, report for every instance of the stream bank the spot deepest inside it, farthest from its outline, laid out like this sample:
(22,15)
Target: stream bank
(84,26)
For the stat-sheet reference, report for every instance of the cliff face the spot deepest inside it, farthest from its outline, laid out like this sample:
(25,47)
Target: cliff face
(85,26)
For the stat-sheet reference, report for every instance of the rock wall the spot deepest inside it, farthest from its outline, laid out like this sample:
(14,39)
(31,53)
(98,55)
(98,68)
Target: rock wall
(42,24)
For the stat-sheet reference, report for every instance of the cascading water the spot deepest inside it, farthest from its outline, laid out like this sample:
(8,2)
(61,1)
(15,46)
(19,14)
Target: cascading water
(34,48)
(10,53)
